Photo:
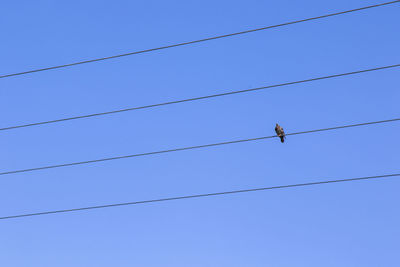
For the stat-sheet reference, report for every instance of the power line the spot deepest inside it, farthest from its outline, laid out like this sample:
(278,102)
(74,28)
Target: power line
(201,40)
(190,148)
(199,196)
(198,98)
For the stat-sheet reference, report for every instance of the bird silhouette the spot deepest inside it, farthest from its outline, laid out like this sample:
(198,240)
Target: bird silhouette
(279,131)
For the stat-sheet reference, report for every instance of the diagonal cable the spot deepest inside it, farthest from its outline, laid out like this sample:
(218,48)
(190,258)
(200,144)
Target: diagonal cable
(200,196)
(192,147)
(201,40)
(198,98)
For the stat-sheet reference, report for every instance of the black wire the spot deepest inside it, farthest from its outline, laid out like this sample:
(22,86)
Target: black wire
(198,98)
(201,40)
(198,196)
(191,147)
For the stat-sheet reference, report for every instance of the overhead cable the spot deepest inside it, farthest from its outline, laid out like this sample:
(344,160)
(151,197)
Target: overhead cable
(191,147)
(197,98)
(200,40)
(198,196)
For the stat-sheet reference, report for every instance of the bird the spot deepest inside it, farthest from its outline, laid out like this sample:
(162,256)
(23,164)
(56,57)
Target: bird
(279,131)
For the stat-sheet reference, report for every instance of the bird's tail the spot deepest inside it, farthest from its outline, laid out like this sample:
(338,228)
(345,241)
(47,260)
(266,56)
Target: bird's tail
(282,138)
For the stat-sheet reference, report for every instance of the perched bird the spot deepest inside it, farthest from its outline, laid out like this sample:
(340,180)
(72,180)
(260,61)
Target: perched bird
(279,131)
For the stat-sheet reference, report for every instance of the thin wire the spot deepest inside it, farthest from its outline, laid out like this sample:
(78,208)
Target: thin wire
(201,40)
(198,98)
(191,147)
(199,196)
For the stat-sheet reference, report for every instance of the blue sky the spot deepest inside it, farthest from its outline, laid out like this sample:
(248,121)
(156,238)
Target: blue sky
(347,224)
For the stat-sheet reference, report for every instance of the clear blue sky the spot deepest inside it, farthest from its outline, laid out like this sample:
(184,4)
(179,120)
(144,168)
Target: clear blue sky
(348,224)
